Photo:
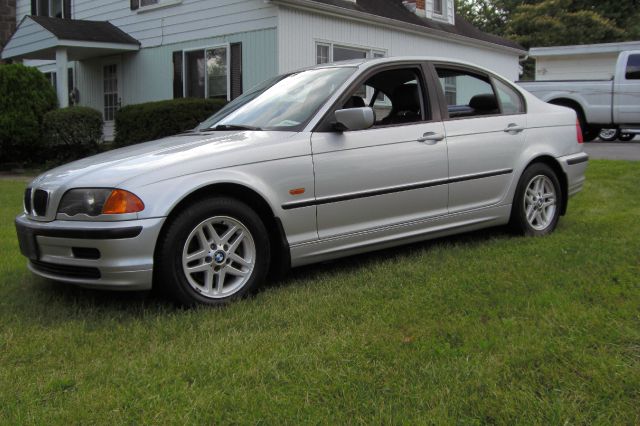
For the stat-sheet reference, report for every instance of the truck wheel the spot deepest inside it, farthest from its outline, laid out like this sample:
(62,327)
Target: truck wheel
(589,134)
(626,137)
(609,135)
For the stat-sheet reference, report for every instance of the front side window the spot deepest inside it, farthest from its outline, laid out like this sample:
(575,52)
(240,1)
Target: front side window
(510,100)
(395,96)
(467,94)
(633,68)
(283,103)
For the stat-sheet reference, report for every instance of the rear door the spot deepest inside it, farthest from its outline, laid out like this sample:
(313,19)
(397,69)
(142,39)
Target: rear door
(485,129)
(626,109)
(392,173)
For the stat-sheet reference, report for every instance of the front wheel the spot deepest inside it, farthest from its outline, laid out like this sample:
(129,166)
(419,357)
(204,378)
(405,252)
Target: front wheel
(626,137)
(213,251)
(536,206)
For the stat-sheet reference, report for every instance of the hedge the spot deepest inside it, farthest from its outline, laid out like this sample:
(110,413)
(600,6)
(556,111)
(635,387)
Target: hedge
(25,96)
(72,133)
(154,120)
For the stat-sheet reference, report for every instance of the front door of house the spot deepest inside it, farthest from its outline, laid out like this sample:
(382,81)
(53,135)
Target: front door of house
(112,96)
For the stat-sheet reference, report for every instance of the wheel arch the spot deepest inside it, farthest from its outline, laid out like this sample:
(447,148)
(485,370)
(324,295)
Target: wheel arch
(280,261)
(560,173)
(570,103)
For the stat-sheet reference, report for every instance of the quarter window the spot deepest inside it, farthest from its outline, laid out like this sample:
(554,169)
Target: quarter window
(467,94)
(510,100)
(633,67)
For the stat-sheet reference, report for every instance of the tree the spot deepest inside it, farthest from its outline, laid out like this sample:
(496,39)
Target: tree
(555,22)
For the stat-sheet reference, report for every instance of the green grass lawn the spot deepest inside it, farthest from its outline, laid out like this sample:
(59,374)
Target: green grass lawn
(478,329)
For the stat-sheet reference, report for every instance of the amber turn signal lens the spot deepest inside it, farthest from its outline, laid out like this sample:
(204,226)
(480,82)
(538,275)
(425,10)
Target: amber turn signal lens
(121,201)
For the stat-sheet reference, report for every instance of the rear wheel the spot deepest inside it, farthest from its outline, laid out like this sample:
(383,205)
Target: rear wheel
(609,135)
(214,251)
(536,206)
(626,137)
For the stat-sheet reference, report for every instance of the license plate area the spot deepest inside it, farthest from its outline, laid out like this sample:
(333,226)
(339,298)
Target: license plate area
(27,242)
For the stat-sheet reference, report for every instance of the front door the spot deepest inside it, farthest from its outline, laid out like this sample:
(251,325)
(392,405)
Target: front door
(485,136)
(627,91)
(112,96)
(392,173)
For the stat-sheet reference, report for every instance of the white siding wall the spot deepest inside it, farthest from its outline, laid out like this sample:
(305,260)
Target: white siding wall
(298,31)
(188,20)
(576,67)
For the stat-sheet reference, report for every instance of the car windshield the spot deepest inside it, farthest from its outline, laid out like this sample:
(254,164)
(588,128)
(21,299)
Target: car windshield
(282,103)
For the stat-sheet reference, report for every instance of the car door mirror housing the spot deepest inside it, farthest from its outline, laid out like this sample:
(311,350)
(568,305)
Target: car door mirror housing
(354,119)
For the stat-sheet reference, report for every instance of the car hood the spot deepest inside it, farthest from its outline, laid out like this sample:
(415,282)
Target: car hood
(169,157)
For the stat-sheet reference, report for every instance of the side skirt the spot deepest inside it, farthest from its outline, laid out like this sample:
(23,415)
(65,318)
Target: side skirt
(395,235)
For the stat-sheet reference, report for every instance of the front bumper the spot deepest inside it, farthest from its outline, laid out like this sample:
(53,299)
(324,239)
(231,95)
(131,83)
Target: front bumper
(575,167)
(110,255)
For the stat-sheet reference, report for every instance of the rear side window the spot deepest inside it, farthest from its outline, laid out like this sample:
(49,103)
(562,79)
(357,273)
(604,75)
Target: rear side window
(467,94)
(510,100)
(633,67)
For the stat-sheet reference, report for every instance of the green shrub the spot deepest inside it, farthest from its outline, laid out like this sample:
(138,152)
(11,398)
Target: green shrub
(154,120)
(25,96)
(72,133)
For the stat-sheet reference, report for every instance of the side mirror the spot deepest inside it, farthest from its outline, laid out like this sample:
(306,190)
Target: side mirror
(354,119)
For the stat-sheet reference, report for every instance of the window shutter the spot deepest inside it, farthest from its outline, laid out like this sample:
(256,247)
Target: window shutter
(177,75)
(34,7)
(236,70)
(135,4)
(66,9)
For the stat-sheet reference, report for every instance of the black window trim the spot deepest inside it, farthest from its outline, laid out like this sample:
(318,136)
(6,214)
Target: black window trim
(490,78)
(324,125)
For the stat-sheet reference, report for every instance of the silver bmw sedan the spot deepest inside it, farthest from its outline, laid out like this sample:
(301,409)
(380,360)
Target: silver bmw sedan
(313,165)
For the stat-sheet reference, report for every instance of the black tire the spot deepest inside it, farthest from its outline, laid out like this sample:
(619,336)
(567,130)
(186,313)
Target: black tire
(609,135)
(519,222)
(626,137)
(169,273)
(589,134)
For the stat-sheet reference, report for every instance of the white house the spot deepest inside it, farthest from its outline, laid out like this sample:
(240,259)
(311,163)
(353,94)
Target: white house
(580,62)
(119,52)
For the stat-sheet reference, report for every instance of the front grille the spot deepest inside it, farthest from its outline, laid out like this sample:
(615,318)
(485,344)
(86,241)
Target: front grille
(40,200)
(27,201)
(67,271)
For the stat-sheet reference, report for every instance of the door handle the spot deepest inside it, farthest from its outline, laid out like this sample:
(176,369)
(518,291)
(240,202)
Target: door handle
(514,128)
(431,138)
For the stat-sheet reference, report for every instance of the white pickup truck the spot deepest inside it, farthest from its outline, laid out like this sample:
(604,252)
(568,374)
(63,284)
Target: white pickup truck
(600,104)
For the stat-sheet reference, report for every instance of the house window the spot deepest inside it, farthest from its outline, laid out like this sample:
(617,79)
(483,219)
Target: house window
(450,90)
(322,53)
(328,52)
(52,77)
(437,7)
(213,72)
(52,8)
(110,87)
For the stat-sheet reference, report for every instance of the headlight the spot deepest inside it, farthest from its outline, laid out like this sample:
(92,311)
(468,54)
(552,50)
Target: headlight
(97,201)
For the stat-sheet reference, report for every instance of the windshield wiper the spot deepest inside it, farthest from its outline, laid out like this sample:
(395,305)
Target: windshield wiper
(230,127)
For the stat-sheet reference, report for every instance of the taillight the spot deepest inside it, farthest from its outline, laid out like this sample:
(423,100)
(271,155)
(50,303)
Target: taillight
(579,132)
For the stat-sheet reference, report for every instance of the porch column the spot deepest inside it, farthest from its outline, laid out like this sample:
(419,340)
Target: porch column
(62,77)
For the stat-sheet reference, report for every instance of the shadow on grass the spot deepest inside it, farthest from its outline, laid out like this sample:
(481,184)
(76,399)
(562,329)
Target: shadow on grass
(71,302)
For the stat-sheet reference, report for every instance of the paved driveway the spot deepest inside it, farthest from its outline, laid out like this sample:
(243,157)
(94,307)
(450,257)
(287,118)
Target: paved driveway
(613,150)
